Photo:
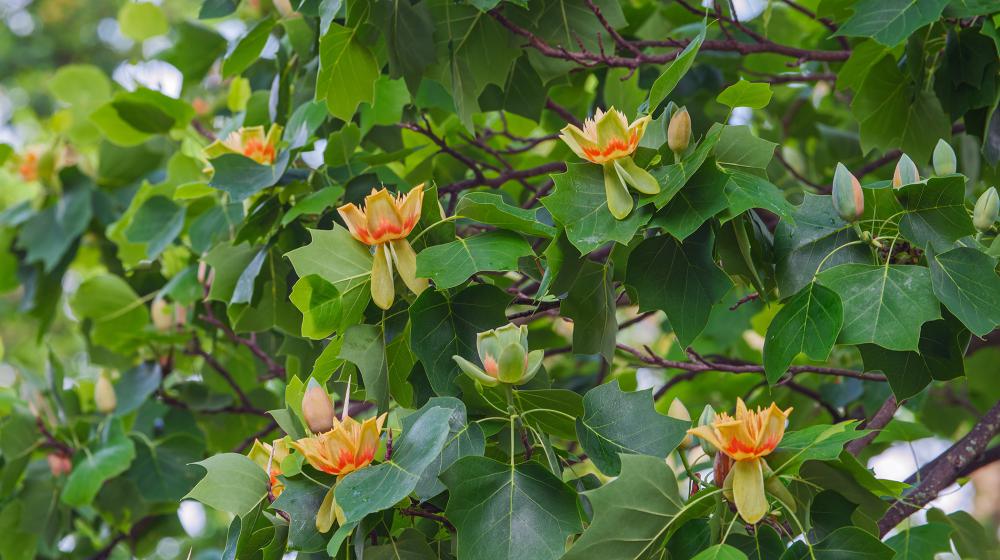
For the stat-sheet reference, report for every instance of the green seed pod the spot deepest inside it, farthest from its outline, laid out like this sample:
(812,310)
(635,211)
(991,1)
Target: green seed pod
(987,208)
(906,172)
(945,162)
(679,131)
(848,198)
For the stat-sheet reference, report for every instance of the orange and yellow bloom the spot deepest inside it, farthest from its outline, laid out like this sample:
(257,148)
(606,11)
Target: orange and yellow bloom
(609,140)
(250,142)
(349,446)
(384,223)
(264,454)
(746,439)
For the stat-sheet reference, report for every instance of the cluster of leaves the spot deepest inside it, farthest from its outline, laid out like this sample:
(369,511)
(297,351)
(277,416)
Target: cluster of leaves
(211,291)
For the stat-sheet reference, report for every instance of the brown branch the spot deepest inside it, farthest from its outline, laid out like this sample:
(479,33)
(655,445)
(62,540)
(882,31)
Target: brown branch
(878,421)
(806,391)
(197,350)
(417,512)
(745,299)
(944,471)
(500,179)
(51,441)
(274,368)
(562,112)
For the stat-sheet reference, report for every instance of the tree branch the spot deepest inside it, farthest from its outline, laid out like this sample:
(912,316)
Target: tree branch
(878,421)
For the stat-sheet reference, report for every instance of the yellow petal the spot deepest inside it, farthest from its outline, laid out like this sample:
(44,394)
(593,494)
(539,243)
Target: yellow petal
(409,208)
(356,222)
(383,291)
(612,130)
(638,128)
(384,221)
(708,434)
(406,263)
(260,453)
(579,142)
(748,490)
(619,199)
(327,512)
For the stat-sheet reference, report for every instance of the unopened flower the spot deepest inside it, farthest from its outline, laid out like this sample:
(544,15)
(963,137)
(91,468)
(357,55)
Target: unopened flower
(269,458)
(746,439)
(384,223)
(679,131)
(987,207)
(848,198)
(945,162)
(317,408)
(104,394)
(504,355)
(906,172)
(350,445)
(250,142)
(608,139)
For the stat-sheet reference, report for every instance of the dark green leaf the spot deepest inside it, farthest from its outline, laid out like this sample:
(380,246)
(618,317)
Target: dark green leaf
(702,197)
(157,222)
(890,22)
(242,177)
(248,48)
(93,467)
(966,282)
(809,323)
(935,211)
(301,500)
(939,356)
(673,177)
(364,346)
(846,542)
(490,208)
(453,263)
(921,543)
(464,439)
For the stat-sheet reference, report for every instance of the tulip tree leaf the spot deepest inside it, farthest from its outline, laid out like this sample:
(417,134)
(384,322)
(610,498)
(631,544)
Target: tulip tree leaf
(505,512)
(243,177)
(490,208)
(451,264)
(93,467)
(746,94)
(702,197)
(681,279)
(301,500)
(615,422)
(232,483)
(635,512)
(347,72)
(379,487)
(884,305)
(672,178)
(464,439)
(746,190)
(966,282)
(809,323)
(117,313)
(157,222)
(939,356)
(48,234)
(580,205)
(935,211)
(721,552)
(845,542)
(247,50)
(409,545)
(921,542)
(890,22)
(365,347)
(445,325)
(590,303)
(670,77)
(822,442)
(338,258)
(320,304)
(739,148)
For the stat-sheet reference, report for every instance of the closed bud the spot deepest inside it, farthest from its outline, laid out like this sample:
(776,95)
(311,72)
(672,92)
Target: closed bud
(679,131)
(848,199)
(945,162)
(162,316)
(906,172)
(104,394)
(59,464)
(317,408)
(987,208)
(680,412)
(707,418)
(721,467)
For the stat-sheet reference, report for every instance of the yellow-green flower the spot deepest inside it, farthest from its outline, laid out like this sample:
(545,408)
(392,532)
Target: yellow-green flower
(250,142)
(608,139)
(504,355)
(264,454)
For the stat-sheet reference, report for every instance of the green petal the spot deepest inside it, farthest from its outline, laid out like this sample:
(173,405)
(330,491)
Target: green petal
(406,264)
(474,372)
(619,199)
(534,364)
(639,178)
(511,364)
(748,490)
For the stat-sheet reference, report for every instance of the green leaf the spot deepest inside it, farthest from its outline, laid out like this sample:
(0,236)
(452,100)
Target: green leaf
(746,94)
(232,483)
(822,442)
(195,50)
(543,401)
(320,304)
(572,25)
(883,305)
(453,263)
(900,430)
(890,22)
(410,40)
(247,49)
(81,86)
(746,190)
(379,487)
(939,356)
(91,468)
(763,545)
(409,545)
(921,542)
(503,512)
(615,423)
(971,539)
(591,305)
(702,197)
(445,325)
(217,8)
(347,72)
(151,112)
(338,258)
(809,323)
(966,282)
(739,148)
(490,208)
(136,385)
(580,205)
(670,77)
(830,511)
(721,552)
(162,471)
(635,512)
(672,178)
(141,20)
(935,211)
(157,223)
(301,500)
(463,439)
(243,177)
(815,238)
(117,313)
(681,279)
(364,346)
(846,542)
(48,234)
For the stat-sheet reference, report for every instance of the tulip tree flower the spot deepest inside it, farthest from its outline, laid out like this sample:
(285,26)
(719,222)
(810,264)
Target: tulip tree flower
(746,439)
(250,142)
(269,458)
(906,172)
(987,208)
(384,224)
(609,140)
(848,198)
(349,446)
(504,354)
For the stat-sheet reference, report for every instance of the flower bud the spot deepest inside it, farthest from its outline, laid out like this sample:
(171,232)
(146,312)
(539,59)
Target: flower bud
(162,316)
(679,411)
(720,468)
(944,159)
(906,172)
(317,408)
(505,358)
(679,131)
(104,394)
(848,199)
(707,418)
(59,464)
(987,208)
